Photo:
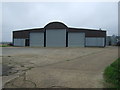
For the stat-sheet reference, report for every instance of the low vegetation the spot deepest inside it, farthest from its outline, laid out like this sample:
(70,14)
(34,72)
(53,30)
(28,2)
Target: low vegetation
(6,45)
(112,75)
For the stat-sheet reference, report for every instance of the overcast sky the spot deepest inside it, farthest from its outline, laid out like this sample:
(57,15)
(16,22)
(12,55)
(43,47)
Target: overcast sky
(27,15)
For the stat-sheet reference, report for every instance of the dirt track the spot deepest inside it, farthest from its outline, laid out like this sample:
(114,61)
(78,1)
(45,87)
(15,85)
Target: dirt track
(57,67)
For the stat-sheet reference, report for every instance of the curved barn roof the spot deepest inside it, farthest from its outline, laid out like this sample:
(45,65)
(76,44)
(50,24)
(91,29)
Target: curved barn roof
(55,25)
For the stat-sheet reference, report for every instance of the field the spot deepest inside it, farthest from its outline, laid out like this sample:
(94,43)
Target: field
(56,67)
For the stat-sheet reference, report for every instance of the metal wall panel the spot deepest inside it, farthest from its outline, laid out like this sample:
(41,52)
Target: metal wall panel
(76,39)
(56,38)
(95,41)
(89,32)
(19,42)
(37,39)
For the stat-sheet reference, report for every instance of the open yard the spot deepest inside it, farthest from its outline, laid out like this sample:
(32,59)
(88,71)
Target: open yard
(56,67)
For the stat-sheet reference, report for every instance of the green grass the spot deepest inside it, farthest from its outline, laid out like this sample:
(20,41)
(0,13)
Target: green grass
(5,45)
(112,74)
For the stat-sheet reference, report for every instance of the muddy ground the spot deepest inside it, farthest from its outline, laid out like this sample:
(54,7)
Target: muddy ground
(25,67)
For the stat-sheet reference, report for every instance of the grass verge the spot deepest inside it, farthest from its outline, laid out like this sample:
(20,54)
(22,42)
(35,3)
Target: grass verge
(5,45)
(112,75)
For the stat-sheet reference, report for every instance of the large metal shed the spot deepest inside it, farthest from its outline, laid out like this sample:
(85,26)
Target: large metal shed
(57,34)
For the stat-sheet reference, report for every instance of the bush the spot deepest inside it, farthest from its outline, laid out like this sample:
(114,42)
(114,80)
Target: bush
(112,74)
(10,44)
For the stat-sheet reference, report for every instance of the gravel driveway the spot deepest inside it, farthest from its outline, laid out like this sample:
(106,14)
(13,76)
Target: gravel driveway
(56,67)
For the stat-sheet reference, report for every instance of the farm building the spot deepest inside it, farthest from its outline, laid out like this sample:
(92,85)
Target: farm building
(57,34)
